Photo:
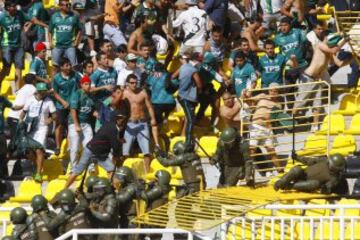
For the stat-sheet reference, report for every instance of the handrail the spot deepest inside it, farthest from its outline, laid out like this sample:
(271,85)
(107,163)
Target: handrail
(74,233)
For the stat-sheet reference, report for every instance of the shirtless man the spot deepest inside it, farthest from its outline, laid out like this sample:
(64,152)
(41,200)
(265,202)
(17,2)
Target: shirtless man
(252,33)
(230,111)
(294,9)
(137,125)
(324,54)
(146,32)
(260,129)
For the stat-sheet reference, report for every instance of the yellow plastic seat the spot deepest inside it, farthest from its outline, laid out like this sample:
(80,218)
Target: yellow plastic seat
(304,230)
(172,126)
(49,3)
(344,144)
(174,65)
(209,144)
(354,127)
(10,205)
(27,189)
(137,165)
(176,139)
(100,171)
(348,106)
(332,230)
(323,17)
(155,165)
(52,168)
(5,88)
(314,145)
(63,151)
(337,124)
(53,188)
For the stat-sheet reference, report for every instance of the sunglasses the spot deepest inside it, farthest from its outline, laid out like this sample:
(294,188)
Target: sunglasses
(65,4)
(132,83)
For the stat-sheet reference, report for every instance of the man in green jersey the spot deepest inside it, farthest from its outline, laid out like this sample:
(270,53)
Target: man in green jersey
(244,76)
(272,65)
(64,84)
(38,16)
(103,80)
(81,108)
(37,65)
(12,23)
(64,34)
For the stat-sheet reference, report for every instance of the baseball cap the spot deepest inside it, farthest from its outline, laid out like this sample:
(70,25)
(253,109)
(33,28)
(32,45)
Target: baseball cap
(85,79)
(40,46)
(41,86)
(131,57)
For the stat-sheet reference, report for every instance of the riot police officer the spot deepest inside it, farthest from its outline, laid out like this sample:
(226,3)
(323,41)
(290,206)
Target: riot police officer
(103,207)
(72,214)
(89,183)
(24,229)
(233,157)
(7,238)
(321,173)
(190,165)
(157,194)
(42,216)
(128,192)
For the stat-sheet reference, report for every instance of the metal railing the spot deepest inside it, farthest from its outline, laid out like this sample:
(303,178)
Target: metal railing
(336,223)
(75,233)
(320,92)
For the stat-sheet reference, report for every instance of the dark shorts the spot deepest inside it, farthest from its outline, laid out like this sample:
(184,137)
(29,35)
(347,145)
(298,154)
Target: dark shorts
(13,56)
(62,116)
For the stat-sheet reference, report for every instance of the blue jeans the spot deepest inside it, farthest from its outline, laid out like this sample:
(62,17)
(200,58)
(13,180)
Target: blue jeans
(140,132)
(103,160)
(58,53)
(13,55)
(189,110)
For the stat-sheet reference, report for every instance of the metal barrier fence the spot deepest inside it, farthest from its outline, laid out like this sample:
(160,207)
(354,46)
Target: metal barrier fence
(274,132)
(76,233)
(348,22)
(343,224)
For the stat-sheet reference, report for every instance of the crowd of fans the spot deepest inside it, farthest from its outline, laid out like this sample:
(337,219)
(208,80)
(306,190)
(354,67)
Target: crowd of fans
(104,60)
(119,68)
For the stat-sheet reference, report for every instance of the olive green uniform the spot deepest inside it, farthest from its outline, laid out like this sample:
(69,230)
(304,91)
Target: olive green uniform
(75,219)
(317,175)
(191,169)
(26,231)
(41,220)
(125,198)
(40,227)
(234,162)
(105,214)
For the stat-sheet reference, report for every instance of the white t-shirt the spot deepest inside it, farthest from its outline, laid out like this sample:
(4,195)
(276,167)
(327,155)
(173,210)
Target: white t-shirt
(313,39)
(123,74)
(22,96)
(272,6)
(119,65)
(32,108)
(193,22)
